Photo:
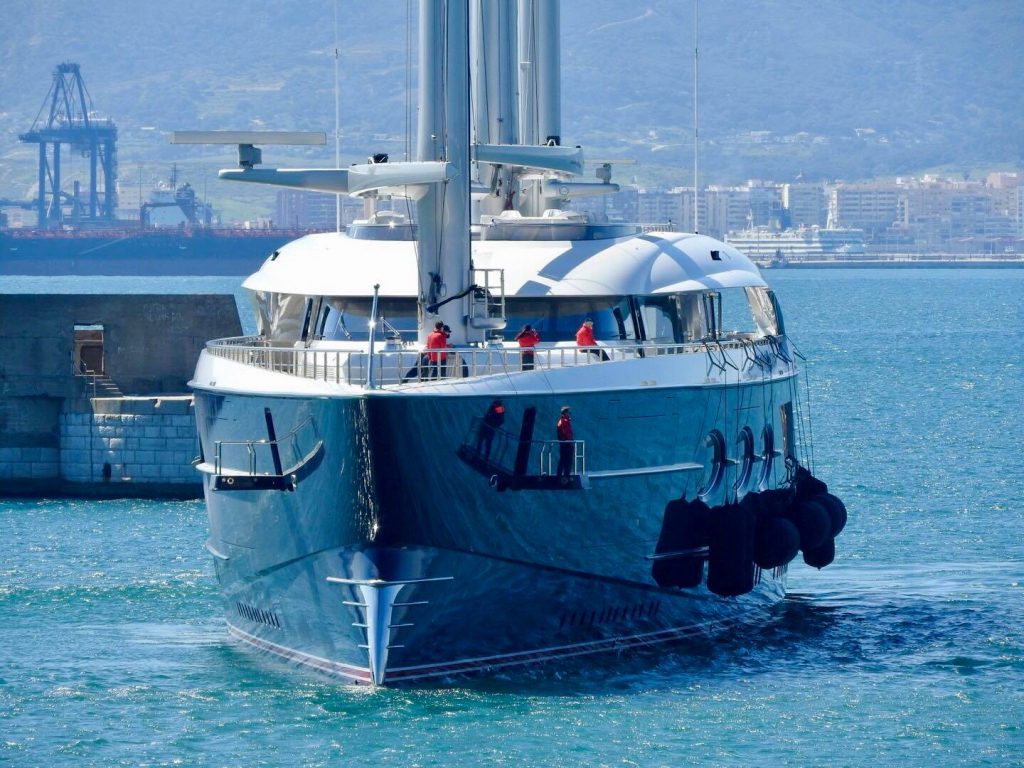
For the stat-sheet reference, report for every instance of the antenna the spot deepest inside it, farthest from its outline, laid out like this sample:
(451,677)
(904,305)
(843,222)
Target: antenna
(696,133)
(337,117)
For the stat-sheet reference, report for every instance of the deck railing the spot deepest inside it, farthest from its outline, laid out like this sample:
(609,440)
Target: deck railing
(404,365)
(497,448)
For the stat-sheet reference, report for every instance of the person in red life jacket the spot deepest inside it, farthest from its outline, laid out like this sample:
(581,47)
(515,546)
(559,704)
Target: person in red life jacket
(490,424)
(436,340)
(566,448)
(528,338)
(585,339)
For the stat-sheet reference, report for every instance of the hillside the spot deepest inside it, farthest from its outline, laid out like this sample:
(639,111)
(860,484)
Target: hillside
(823,88)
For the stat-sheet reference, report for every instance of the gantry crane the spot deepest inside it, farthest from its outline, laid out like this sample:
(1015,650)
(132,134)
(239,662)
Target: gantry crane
(67,117)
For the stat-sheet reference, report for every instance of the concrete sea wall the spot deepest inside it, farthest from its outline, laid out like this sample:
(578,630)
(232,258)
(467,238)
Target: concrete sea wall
(131,445)
(93,391)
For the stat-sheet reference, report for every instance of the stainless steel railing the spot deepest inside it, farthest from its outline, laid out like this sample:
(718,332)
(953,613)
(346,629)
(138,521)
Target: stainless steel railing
(404,365)
(497,448)
(254,457)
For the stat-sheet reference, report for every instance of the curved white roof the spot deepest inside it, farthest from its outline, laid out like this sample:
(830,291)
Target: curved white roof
(333,264)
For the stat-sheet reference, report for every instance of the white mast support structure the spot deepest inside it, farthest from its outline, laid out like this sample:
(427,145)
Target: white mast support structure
(401,179)
(496,114)
(443,211)
(405,179)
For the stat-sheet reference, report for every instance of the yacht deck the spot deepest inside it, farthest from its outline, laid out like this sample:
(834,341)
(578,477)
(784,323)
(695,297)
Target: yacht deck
(395,365)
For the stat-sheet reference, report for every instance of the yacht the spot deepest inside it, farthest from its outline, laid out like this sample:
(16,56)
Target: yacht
(774,248)
(393,494)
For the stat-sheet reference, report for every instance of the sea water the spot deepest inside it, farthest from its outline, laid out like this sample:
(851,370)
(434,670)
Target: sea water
(908,650)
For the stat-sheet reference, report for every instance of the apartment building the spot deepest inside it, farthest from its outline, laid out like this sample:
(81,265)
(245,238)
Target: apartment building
(873,207)
(299,209)
(805,204)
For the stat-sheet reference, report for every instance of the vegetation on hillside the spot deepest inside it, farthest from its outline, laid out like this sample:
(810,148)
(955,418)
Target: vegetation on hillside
(818,88)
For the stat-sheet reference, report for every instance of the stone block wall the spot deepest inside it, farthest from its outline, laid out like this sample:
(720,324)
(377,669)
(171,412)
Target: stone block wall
(34,463)
(55,438)
(132,444)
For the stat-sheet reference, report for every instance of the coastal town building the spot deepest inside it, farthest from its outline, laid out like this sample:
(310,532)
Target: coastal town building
(910,215)
(805,204)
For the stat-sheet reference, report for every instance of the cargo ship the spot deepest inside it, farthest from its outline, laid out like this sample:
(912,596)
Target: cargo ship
(133,251)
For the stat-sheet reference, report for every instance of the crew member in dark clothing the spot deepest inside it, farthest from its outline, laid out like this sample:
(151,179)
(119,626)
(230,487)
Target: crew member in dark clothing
(490,423)
(444,355)
(566,447)
(528,338)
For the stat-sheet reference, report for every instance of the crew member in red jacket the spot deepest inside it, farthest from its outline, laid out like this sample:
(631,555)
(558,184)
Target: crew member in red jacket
(436,340)
(489,424)
(585,339)
(566,447)
(528,338)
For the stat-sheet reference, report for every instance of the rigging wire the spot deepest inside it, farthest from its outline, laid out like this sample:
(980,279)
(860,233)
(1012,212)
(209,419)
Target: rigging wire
(482,75)
(337,117)
(439,278)
(408,140)
(810,434)
(801,414)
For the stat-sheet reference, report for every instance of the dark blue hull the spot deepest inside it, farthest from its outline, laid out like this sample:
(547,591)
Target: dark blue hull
(392,523)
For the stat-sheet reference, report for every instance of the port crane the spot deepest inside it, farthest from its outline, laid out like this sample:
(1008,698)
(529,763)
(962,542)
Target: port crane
(67,117)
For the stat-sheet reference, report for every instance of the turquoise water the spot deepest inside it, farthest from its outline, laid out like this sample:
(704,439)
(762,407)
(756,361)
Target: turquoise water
(908,650)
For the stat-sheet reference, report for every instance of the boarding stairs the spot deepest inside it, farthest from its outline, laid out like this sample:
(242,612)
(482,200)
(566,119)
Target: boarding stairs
(99,384)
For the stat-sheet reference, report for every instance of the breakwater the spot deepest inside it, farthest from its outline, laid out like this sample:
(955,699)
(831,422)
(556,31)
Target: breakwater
(128,446)
(131,446)
(93,391)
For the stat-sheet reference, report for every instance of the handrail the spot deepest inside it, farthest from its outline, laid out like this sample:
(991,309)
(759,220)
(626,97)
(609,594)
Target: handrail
(549,456)
(409,364)
(291,437)
(498,448)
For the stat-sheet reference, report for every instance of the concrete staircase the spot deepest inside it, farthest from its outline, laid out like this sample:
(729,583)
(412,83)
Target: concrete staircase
(101,385)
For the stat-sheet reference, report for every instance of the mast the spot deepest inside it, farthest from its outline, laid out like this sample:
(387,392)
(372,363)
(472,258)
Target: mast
(337,116)
(495,85)
(443,211)
(548,67)
(540,87)
(527,75)
(696,188)
(548,82)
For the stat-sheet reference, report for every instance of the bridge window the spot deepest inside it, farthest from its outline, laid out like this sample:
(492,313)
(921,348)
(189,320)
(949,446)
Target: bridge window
(348,319)
(663,319)
(765,310)
(559,319)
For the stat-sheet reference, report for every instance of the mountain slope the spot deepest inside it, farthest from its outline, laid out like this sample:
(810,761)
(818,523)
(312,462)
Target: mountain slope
(823,88)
